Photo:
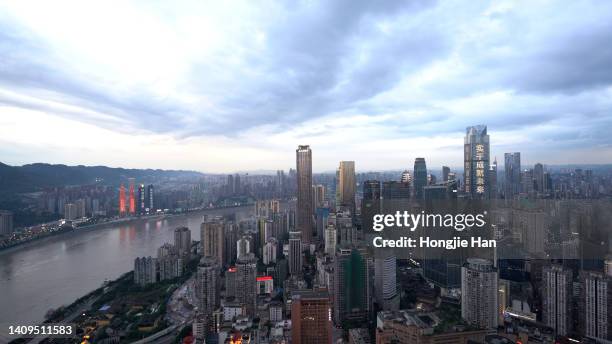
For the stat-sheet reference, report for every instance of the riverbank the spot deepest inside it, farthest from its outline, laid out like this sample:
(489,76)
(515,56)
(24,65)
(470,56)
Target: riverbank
(121,221)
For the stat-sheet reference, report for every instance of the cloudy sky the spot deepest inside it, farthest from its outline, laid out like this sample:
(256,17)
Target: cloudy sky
(222,86)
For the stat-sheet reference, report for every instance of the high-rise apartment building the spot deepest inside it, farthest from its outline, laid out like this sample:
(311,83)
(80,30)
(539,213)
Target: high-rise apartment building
(596,300)
(246,283)
(70,211)
(295,253)
(557,298)
(145,270)
(512,174)
(479,293)
(207,285)
(331,239)
(212,239)
(420,177)
(182,241)
(310,317)
(476,162)
(6,222)
(305,211)
(151,198)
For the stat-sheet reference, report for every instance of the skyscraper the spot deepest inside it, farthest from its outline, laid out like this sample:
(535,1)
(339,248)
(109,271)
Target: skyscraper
(207,286)
(385,285)
(132,197)
(445,172)
(350,286)
(479,293)
(122,200)
(295,253)
(145,270)
(6,222)
(596,302)
(305,211)
(512,174)
(346,184)
(142,204)
(310,317)
(420,177)
(331,239)
(406,177)
(557,298)
(370,204)
(538,177)
(150,198)
(476,161)
(246,283)
(212,239)
(182,240)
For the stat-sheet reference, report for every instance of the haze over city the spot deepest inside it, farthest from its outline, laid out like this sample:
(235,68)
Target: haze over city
(213,88)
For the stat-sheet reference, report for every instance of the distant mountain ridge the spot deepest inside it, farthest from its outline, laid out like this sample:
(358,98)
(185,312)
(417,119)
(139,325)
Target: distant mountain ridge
(35,177)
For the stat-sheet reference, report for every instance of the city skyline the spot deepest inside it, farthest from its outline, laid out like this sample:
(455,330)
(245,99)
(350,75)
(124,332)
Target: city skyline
(180,93)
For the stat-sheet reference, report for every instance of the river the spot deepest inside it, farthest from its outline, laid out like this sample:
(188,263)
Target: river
(57,270)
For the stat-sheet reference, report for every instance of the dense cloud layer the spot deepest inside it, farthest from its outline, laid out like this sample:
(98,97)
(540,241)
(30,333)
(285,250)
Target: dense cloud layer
(386,72)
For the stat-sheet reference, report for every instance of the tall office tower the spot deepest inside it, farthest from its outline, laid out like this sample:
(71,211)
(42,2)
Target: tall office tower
(182,241)
(212,239)
(431,179)
(246,283)
(385,285)
(493,179)
(420,177)
(445,172)
(270,251)
(479,293)
(347,184)
(596,299)
(406,177)
(150,198)
(295,253)
(70,211)
(310,317)
(331,239)
(207,285)
(132,197)
(350,284)
(6,222)
(145,270)
(122,200)
(304,193)
(243,247)
(512,174)
(318,195)
(538,177)
(476,161)
(370,204)
(142,200)
(557,298)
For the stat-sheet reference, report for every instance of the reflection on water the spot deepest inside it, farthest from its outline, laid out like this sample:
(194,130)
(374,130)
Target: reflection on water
(58,270)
